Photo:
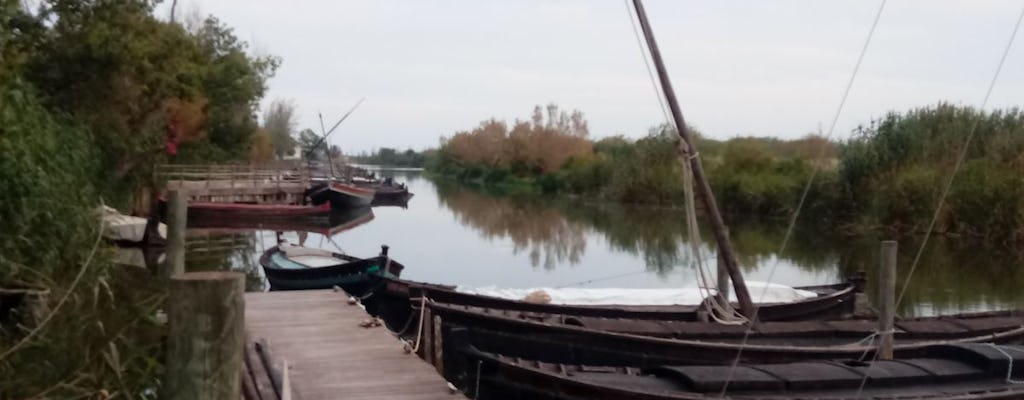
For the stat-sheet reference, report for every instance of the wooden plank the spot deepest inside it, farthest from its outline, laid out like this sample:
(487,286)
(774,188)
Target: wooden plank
(331,356)
(438,345)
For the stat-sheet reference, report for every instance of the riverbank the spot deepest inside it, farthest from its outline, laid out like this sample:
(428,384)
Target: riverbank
(888,177)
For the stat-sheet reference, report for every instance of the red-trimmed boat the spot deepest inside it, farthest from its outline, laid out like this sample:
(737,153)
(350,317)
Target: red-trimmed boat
(203,210)
(341,196)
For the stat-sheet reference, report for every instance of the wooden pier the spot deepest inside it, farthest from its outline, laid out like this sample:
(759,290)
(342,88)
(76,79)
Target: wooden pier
(331,356)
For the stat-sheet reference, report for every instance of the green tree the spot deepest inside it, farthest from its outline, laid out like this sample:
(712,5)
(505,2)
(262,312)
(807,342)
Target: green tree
(279,123)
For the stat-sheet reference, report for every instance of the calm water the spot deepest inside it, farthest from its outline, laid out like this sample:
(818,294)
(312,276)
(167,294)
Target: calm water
(451,234)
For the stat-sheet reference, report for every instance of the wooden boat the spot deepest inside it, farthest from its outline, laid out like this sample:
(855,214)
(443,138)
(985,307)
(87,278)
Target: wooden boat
(644,344)
(963,371)
(331,224)
(385,192)
(289,267)
(833,301)
(341,196)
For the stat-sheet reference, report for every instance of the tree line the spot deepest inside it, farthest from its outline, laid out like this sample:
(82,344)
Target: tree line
(890,175)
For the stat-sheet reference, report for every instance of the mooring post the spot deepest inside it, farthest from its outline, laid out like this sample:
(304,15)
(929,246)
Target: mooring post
(177,221)
(886,299)
(206,324)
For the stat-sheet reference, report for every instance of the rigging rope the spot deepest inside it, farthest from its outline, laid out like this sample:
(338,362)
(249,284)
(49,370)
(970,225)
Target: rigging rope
(949,183)
(807,188)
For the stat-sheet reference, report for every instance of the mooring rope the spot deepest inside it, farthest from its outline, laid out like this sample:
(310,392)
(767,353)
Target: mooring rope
(419,330)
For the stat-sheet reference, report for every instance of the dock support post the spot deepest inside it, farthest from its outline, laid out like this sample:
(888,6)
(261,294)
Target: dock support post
(886,299)
(206,338)
(723,276)
(177,221)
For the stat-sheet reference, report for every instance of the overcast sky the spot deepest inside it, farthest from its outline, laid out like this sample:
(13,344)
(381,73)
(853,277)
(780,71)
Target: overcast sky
(778,68)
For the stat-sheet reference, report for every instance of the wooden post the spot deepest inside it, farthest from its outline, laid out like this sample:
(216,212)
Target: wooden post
(886,299)
(206,336)
(177,221)
(701,184)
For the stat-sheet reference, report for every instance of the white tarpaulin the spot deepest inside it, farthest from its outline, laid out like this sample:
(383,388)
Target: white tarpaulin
(126,228)
(672,296)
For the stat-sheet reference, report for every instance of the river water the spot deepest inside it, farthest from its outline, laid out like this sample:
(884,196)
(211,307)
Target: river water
(457,235)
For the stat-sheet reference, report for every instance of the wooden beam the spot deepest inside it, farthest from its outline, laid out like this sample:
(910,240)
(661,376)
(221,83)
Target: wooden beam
(177,224)
(703,187)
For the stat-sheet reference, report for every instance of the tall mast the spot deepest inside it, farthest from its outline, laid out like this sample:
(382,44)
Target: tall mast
(721,236)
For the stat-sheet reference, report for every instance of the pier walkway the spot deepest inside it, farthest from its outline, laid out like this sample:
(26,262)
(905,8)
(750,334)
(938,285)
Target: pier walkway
(331,356)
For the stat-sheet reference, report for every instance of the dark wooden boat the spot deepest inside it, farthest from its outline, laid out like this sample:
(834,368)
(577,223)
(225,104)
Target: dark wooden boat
(331,224)
(562,339)
(965,371)
(833,301)
(341,196)
(385,192)
(299,268)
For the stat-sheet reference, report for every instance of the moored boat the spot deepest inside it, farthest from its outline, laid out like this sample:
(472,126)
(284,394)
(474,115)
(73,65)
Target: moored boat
(290,267)
(828,301)
(385,192)
(341,196)
(965,371)
(565,339)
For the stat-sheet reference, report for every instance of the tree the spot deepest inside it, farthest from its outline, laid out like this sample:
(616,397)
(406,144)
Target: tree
(313,148)
(279,123)
(262,149)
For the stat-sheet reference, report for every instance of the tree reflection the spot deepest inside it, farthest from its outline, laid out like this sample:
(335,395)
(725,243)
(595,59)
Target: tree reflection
(952,276)
(536,228)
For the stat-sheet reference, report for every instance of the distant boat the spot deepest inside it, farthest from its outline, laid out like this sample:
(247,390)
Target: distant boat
(386,192)
(290,267)
(964,371)
(341,196)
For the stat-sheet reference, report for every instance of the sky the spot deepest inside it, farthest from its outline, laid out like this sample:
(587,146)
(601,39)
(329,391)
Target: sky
(740,68)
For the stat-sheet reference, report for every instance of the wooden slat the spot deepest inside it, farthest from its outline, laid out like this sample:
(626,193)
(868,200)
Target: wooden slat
(332,356)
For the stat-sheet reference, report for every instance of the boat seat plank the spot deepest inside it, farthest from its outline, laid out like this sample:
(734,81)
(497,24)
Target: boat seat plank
(930,328)
(713,378)
(812,375)
(986,357)
(945,370)
(990,324)
(890,373)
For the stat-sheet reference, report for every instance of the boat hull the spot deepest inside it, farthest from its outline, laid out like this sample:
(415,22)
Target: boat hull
(518,335)
(974,371)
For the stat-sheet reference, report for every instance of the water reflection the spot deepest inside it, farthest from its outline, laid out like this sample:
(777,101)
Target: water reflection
(950,277)
(455,235)
(540,230)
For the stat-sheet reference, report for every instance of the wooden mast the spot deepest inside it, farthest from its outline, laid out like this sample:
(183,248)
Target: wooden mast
(721,237)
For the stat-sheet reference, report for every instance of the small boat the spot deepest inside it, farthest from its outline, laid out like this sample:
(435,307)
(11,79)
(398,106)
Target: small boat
(830,301)
(597,341)
(341,196)
(962,371)
(290,267)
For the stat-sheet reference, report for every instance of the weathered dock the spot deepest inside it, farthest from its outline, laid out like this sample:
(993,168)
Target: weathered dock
(331,356)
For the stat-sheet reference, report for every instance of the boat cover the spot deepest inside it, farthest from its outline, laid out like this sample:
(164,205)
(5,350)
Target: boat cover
(120,227)
(773,293)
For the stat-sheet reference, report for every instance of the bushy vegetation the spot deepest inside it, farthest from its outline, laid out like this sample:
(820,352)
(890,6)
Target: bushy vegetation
(890,175)
(92,94)
(392,157)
